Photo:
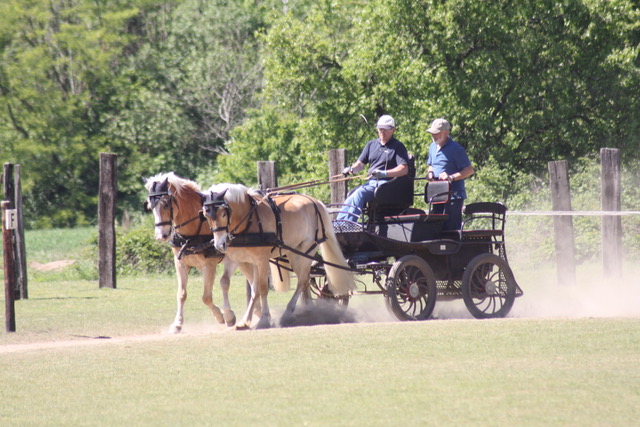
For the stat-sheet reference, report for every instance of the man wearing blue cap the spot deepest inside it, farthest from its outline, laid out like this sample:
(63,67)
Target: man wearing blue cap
(387,158)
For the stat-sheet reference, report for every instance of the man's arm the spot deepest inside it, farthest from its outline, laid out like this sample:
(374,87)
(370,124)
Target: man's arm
(400,170)
(463,174)
(357,166)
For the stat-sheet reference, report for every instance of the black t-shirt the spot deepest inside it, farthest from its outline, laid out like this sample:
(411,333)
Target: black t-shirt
(384,157)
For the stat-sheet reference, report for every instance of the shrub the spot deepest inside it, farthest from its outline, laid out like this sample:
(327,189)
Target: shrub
(138,252)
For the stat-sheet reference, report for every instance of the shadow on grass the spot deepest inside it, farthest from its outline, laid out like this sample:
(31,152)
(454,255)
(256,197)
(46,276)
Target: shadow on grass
(319,313)
(62,298)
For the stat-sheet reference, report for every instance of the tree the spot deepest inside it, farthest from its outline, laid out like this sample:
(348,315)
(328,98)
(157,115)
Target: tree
(187,87)
(522,83)
(161,84)
(56,58)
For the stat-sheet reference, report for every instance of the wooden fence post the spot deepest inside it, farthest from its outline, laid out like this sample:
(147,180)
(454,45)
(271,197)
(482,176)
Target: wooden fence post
(106,221)
(267,177)
(562,225)
(21,251)
(610,202)
(336,164)
(9,196)
(9,274)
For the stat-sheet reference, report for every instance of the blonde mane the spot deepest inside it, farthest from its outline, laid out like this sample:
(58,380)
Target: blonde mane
(235,192)
(179,184)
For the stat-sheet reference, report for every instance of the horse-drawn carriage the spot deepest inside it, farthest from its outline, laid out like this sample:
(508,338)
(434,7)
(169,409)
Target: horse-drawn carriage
(413,262)
(404,250)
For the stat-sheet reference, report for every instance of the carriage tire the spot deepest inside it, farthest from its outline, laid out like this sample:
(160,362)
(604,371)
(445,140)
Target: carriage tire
(488,287)
(319,287)
(411,288)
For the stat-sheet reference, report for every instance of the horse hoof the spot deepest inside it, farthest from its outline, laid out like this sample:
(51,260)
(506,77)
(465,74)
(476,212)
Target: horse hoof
(264,323)
(230,320)
(243,327)
(175,329)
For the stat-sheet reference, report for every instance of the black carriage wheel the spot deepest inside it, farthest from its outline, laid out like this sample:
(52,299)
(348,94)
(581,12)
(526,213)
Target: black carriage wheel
(319,287)
(411,288)
(488,287)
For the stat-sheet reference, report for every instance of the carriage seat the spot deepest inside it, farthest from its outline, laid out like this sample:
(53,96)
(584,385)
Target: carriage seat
(436,192)
(393,197)
(484,220)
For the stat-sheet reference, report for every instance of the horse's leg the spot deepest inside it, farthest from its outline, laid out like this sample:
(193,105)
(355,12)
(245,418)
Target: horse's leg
(209,276)
(182,273)
(263,290)
(225,284)
(301,267)
(250,274)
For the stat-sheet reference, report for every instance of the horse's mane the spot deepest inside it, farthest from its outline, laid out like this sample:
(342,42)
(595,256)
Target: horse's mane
(180,184)
(235,192)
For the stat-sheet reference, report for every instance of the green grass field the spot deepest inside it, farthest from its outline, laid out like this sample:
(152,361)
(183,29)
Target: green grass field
(88,356)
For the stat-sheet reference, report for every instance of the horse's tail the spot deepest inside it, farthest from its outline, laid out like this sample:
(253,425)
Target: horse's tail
(280,278)
(340,279)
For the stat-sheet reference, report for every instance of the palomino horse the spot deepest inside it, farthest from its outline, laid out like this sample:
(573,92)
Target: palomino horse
(252,228)
(176,204)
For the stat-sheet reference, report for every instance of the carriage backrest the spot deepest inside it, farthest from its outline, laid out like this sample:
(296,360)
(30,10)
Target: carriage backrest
(484,217)
(394,196)
(437,192)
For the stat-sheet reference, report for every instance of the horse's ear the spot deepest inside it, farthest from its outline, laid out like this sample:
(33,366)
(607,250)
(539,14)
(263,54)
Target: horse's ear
(145,180)
(202,196)
(220,195)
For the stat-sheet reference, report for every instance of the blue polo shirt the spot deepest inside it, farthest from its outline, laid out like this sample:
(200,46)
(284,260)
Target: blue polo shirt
(451,158)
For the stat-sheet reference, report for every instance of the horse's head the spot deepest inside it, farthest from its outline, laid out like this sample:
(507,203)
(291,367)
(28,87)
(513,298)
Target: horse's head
(160,202)
(218,215)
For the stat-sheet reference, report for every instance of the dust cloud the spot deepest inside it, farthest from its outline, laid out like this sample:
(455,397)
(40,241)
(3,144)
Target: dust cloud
(593,295)
(543,297)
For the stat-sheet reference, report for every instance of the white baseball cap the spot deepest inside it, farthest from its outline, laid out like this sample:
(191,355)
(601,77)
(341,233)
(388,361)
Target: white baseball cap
(386,122)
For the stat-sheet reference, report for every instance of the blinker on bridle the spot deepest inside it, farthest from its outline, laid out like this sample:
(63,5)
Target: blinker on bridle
(156,194)
(211,208)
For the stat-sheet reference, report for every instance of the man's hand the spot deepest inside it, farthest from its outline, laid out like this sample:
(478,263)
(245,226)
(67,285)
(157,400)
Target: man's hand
(347,171)
(430,176)
(378,174)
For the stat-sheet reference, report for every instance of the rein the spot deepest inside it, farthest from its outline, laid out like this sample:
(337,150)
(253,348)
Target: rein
(314,182)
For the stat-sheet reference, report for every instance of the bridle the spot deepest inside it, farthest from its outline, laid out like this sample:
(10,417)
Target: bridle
(216,202)
(165,196)
(211,208)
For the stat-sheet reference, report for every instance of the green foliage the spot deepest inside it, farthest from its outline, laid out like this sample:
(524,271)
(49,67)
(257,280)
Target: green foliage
(57,63)
(137,252)
(522,83)
(206,88)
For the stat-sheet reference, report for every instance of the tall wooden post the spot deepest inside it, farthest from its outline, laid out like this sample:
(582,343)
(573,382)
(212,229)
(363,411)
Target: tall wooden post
(20,251)
(610,202)
(9,196)
(337,161)
(267,177)
(562,224)
(106,221)
(9,275)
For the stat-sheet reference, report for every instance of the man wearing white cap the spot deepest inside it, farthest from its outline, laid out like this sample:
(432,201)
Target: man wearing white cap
(387,158)
(448,161)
